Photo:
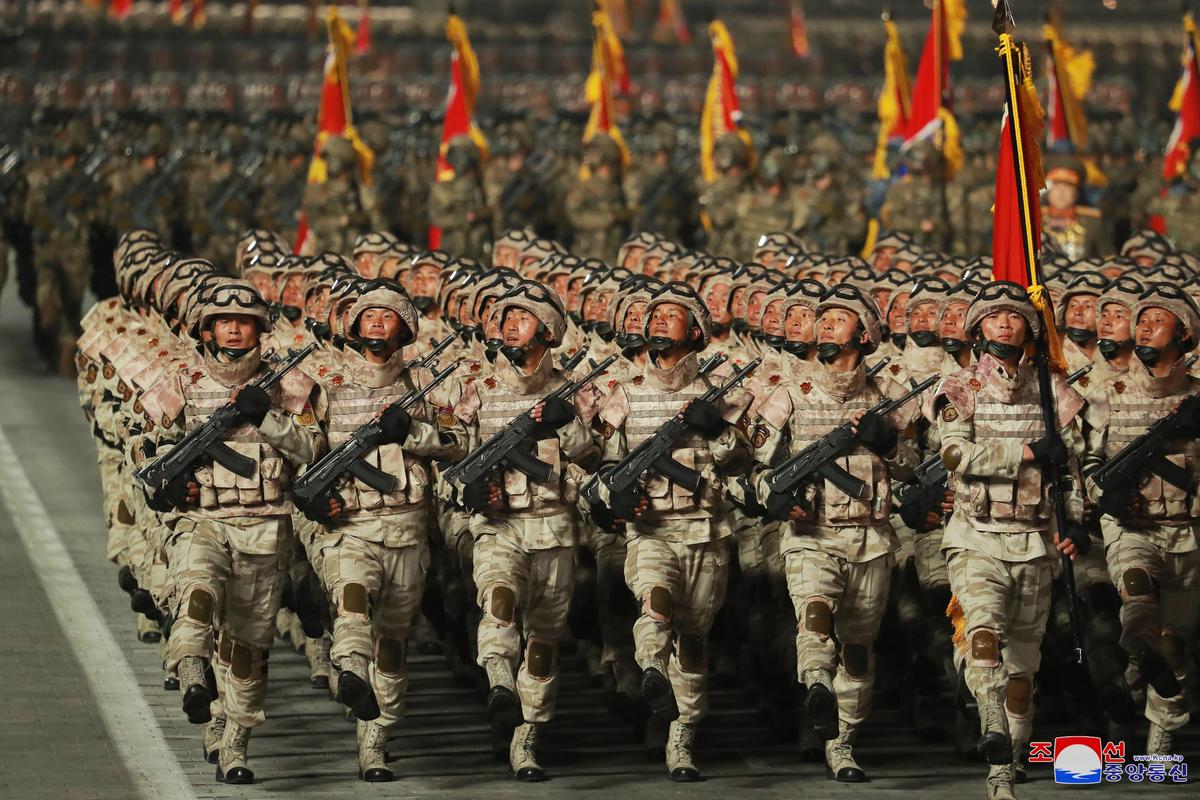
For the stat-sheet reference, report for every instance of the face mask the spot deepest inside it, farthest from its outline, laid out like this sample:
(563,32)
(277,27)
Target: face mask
(1004,352)
(493,345)
(1147,355)
(291,313)
(828,351)
(775,342)
(1080,336)
(575,317)
(604,331)
(719,329)
(588,326)
(514,354)
(798,349)
(953,346)
(923,338)
(657,344)
(1110,347)
(630,343)
(456,326)
(234,353)
(898,340)
(422,304)
(740,326)
(375,345)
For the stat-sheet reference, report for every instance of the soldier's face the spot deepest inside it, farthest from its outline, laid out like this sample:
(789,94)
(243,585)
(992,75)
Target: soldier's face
(738,304)
(837,326)
(1005,327)
(798,325)
(1156,328)
(836,276)
(772,320)
(519,327)
(1061,195)
(633,258)
(650,264)
(634,317)
(1113,323)
(236,331)
(561,285)
(264,284)
(882,296)
(293,291)
(717,301)
(883,258)
(602,301)
(923,317)
(670,320)
(424,281)
(315,306)
(754,307)
(389,267)
(896,312)
(952,321)
(902,265)
(1081,312)
(572,298)
(379,323)
(504,255)
(366,265)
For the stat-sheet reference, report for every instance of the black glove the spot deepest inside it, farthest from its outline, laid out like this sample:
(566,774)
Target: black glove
(475,496)
(704,417)
(1050,451)
(749,502)
(172,496)
(780,505)
(253,402)
(624,505)
(876,434)
(396,423)
(1115,503)
(319,511)
(1078,533)
(556,413)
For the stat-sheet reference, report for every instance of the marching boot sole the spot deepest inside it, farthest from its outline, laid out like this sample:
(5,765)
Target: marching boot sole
(356,694)
(658,694)
(530,775)
(996,748)
(821,711)
(847,775)
(196,702)
(377,775)
(319,682)
(170,683)
(685,775)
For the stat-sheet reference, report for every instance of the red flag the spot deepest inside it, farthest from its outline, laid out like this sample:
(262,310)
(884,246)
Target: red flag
(1186,102)
(119,9)
(199,17)
(178,15)
(670,16)
(460,105)
(600,83)
(362,39)
(930,110)
(799,31)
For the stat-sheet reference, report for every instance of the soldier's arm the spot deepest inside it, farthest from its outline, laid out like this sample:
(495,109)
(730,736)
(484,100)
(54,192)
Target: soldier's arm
(298,437)
(444,438)
(996,458)
(579,443)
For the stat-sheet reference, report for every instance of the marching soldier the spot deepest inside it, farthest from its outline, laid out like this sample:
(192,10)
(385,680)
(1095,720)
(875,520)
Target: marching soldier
(457,206)
(1077,229)
(595,205)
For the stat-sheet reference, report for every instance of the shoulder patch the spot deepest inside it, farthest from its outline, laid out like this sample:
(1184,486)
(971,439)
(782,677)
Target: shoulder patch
(307,416)
(760,434)
(446,418)
(949,413)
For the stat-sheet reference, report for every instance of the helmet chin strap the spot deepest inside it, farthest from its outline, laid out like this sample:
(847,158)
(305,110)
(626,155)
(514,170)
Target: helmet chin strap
(291,313)
(422,303)
(828,351)
(1109,348)
(1004,352)
(798,349)
(953,346)
(898,339)
(1080,336)
(923,338)
(1148,355)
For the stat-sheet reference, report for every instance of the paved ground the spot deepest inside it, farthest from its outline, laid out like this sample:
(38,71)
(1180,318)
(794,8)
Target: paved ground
(83,714)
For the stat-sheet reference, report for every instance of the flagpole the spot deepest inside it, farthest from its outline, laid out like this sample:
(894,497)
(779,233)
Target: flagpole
(1003,25)
(943,176)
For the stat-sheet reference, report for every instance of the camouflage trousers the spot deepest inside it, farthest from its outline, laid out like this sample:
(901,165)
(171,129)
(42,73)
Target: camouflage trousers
(376,591)
(844,600)
(117,517)
(680,587)
(1005,606)
(1160,594)
(523,594)
(615,610)
(220,585)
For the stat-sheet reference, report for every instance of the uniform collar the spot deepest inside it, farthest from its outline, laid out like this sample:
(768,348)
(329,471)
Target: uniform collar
(673,379)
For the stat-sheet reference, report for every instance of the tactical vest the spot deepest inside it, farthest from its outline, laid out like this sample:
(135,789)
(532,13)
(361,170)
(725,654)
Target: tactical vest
(499,404)
(351,407)
(224,493)
(1005,504)
(649,408)
(814,416)
(1130,413)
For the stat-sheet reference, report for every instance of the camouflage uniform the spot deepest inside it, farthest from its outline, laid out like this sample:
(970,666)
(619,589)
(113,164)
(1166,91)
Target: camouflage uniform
(595,205)
(457,205)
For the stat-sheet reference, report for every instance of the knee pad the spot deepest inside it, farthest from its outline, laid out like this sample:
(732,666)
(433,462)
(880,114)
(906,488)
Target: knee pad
(856,659)
(502,605)
(354,599)
(245,662)
(658,604)
(692,652)
(1018,695)
(985,648)
(541,658)
(1136,582)
(818,617)
(390,656)
(1174,652)
(200,606)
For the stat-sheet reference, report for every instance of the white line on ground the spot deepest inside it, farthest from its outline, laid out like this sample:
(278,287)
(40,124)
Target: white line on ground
(128,717)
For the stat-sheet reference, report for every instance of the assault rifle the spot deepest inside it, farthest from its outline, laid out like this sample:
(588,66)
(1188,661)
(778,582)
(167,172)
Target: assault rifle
(504,448)
(205,441)
(817,460)
(348,457)
(654,454)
